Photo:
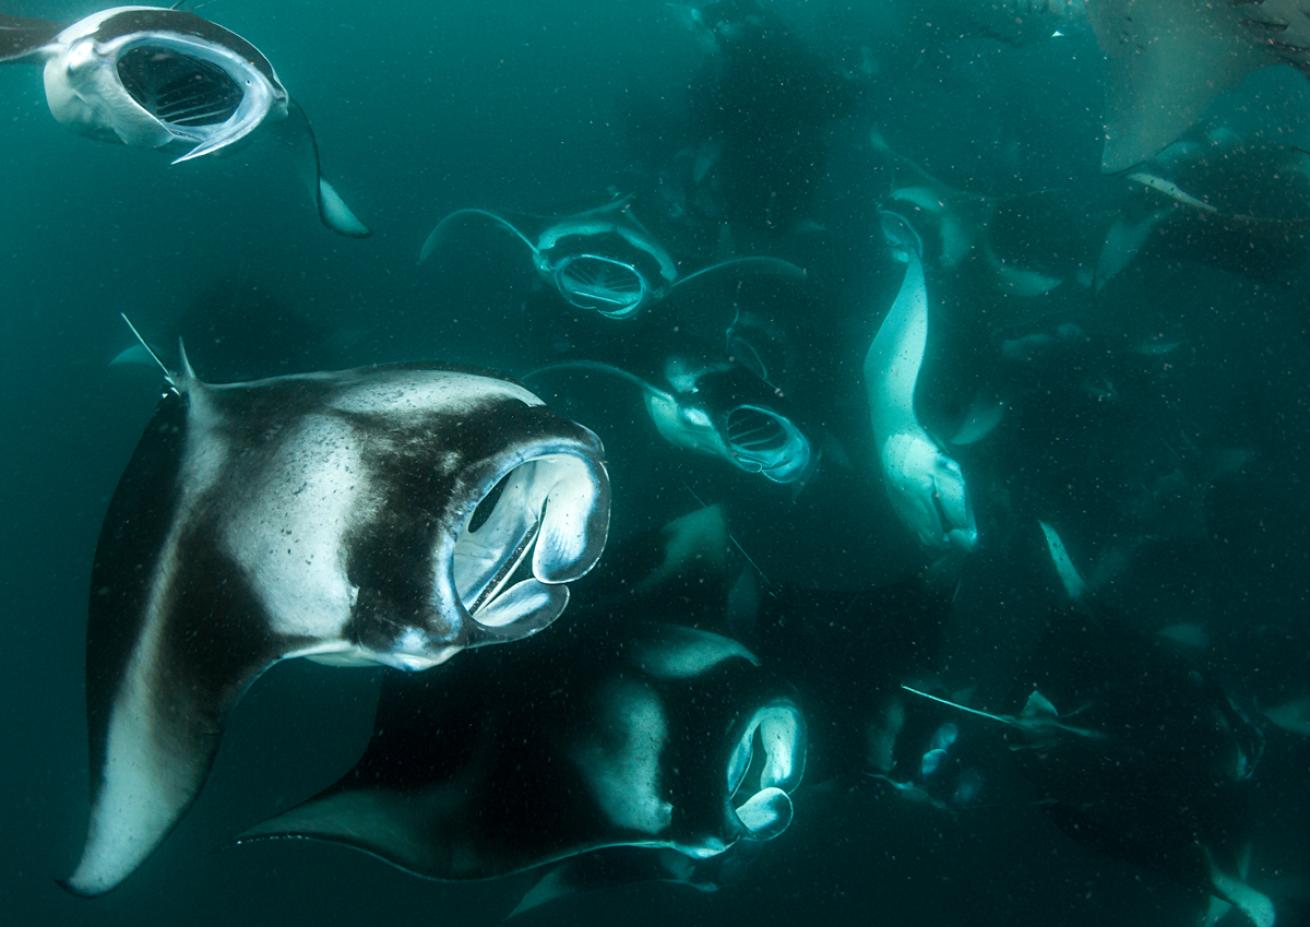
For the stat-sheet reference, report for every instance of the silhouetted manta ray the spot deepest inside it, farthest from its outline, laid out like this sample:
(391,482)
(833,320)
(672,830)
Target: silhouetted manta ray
(150,77)
(607,732)
(389,515)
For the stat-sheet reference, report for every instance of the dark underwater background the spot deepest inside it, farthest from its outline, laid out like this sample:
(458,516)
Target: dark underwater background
(421,108)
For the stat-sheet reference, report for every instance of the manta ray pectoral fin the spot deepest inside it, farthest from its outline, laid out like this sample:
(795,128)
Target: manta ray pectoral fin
(389,825)
(434,237)
(298,135)
(1168,61)
(768,265)
(22,38)
(158,748)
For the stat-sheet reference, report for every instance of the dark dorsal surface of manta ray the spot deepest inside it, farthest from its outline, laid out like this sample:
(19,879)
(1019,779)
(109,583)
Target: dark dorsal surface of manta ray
(1170,58)
(1218,200)
(604,260)
(391,515)
(149,77)
(610,731)
(718,410)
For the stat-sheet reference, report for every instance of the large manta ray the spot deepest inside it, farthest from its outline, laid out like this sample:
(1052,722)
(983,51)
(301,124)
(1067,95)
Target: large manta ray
(150,78)
(609,732)
(391,515)
(1170,58)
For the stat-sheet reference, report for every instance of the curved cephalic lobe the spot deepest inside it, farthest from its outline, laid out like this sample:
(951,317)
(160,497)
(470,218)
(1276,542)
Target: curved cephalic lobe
(388,516)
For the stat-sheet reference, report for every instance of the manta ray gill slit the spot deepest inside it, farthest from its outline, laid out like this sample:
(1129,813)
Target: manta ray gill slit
(179,90)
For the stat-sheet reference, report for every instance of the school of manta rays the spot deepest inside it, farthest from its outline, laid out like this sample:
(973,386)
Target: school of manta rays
(669,697)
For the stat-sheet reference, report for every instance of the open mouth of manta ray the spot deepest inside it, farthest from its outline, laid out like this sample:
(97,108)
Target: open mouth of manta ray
(766,766)
(183,92)
(762,441)
(537,527)
(609,287)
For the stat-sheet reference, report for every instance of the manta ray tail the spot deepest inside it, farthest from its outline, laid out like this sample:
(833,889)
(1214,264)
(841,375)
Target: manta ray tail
(179,379)
(768,265)
(298,135)
(21,37)
(1000,719)
(434,237)
(168,374)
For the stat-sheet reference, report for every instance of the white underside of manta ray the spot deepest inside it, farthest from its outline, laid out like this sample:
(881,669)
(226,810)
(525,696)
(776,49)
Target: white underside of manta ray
(148,77)
(925,485)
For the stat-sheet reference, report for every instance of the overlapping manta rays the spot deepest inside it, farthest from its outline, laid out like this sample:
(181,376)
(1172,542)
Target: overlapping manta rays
(392,515)
(148,77)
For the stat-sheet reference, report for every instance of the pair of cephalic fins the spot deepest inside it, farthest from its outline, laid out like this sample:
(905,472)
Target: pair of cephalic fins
(151,78)
(392,515)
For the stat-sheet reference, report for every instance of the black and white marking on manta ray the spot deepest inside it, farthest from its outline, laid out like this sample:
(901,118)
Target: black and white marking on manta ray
(150,78)
(392,515)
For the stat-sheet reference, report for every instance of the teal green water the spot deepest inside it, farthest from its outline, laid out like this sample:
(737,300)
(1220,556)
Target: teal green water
(1157,419)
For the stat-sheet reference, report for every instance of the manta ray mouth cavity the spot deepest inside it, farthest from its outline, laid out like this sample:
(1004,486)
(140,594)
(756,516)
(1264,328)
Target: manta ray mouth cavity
(766,766)
(532,530)
(181,91)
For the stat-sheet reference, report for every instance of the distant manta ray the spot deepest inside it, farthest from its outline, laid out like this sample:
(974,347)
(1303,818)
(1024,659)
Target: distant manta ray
(148,77)
(604,260)
(1170,58)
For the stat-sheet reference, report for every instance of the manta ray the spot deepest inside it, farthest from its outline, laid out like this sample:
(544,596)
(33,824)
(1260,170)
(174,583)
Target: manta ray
(1170,58)
(719,410)
(612,732)
(926,487)
(605,260)
(148,77)
(391,515)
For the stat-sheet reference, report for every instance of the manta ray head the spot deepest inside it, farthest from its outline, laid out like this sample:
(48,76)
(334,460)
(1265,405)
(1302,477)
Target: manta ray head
(928,492)
(605,265)
(762,440)
(523,513)
(608,286)
(764,769)
(151,78)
